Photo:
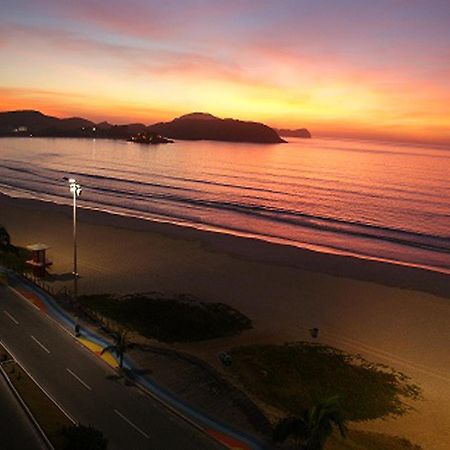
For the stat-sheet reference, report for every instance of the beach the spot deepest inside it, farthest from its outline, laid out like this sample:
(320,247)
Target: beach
(388,313)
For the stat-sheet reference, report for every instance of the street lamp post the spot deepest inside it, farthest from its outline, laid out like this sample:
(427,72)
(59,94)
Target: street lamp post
(75,190)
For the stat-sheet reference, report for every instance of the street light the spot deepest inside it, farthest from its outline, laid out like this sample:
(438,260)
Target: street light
(75,190)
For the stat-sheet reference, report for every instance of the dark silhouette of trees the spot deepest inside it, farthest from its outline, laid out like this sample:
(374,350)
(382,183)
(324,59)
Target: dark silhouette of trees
(119,347)
(312,429)
(5,240)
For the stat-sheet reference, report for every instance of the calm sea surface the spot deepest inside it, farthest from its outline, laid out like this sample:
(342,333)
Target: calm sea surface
(376,200)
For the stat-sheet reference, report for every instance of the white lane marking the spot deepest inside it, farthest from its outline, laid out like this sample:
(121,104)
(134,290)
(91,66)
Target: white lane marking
(11,317)
(132,424)
(2,343)
(79,379)
(40,344)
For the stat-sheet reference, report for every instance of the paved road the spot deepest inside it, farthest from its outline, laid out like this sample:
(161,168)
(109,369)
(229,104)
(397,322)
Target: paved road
(85,387)
(16,430)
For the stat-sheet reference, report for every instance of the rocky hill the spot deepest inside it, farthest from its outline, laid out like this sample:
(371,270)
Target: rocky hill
(300,132)
(194,126)
(198,126)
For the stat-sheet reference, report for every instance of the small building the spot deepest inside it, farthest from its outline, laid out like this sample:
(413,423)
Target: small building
(39,261)
(21,129)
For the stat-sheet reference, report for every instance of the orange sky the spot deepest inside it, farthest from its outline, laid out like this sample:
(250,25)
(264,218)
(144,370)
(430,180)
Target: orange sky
(351,69)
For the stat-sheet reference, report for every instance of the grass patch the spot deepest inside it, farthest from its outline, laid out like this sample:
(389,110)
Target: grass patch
(296,376)
(48,415)
(180,319)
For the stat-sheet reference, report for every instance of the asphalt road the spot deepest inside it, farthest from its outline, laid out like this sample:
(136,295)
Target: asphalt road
(16,429)
(85,386)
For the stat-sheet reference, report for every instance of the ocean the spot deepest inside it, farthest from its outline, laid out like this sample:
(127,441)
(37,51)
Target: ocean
(376,200)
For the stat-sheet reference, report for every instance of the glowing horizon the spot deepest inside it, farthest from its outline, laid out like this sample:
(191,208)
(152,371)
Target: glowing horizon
(338,68)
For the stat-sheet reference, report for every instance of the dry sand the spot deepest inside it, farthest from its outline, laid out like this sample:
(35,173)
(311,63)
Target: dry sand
(355,303)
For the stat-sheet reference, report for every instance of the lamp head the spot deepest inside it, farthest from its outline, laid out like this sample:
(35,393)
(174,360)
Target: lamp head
(75,188)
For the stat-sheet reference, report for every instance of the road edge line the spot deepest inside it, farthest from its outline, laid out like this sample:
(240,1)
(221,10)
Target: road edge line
(27,410)
(37,384)
(166,405)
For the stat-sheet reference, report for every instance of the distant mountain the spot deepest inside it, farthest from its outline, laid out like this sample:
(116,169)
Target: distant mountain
(199,126)
(31,120)
(193,126)
(300,132)
(104,125)
(197,116)
(25,123)
(34,122)
(73,123)
(109,131)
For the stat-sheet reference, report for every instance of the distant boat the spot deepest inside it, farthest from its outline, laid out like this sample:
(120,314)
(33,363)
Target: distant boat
(148,137)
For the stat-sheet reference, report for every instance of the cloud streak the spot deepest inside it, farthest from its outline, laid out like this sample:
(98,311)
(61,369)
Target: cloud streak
(288,63)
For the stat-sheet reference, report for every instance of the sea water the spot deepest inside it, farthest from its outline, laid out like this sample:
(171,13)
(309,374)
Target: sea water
(378,200)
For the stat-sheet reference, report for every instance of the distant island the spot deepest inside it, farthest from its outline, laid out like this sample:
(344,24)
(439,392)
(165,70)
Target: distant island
(147,137)
(300,132)
(194,126)
(197,126)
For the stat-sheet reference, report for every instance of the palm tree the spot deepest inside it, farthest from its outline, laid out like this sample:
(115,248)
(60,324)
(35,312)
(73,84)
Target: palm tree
(5,240)
(314,427)
(119,347)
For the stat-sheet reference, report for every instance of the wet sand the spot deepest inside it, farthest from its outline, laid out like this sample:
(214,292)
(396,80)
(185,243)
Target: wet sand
(392,314)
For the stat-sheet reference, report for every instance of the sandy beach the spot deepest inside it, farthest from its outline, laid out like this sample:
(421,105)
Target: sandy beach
(391,314)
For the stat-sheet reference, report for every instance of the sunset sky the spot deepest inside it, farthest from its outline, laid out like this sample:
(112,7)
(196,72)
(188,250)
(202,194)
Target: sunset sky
(357,68)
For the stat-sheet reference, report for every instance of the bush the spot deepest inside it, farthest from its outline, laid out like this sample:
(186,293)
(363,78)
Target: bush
(80,437)
(169,319)
(296,376)
(14,258)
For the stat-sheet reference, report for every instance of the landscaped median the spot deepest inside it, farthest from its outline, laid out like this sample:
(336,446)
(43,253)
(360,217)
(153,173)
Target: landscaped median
(49,419)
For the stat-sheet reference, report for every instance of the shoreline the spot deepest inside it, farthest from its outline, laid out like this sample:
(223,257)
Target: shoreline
(253,249)
(398,316)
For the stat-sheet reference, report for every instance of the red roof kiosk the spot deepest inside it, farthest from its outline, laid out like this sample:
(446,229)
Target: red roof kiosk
(39,261)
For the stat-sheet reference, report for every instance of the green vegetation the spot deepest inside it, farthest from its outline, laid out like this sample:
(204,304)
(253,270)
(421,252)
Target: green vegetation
(10,256)
(314,427)
(296,376)
(79,437)
(120,346)
(358,440)
(5,240)
(51,419)
(169,319)
(15,258)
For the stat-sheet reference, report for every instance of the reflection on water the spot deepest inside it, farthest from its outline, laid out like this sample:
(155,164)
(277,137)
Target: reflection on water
(380,200)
